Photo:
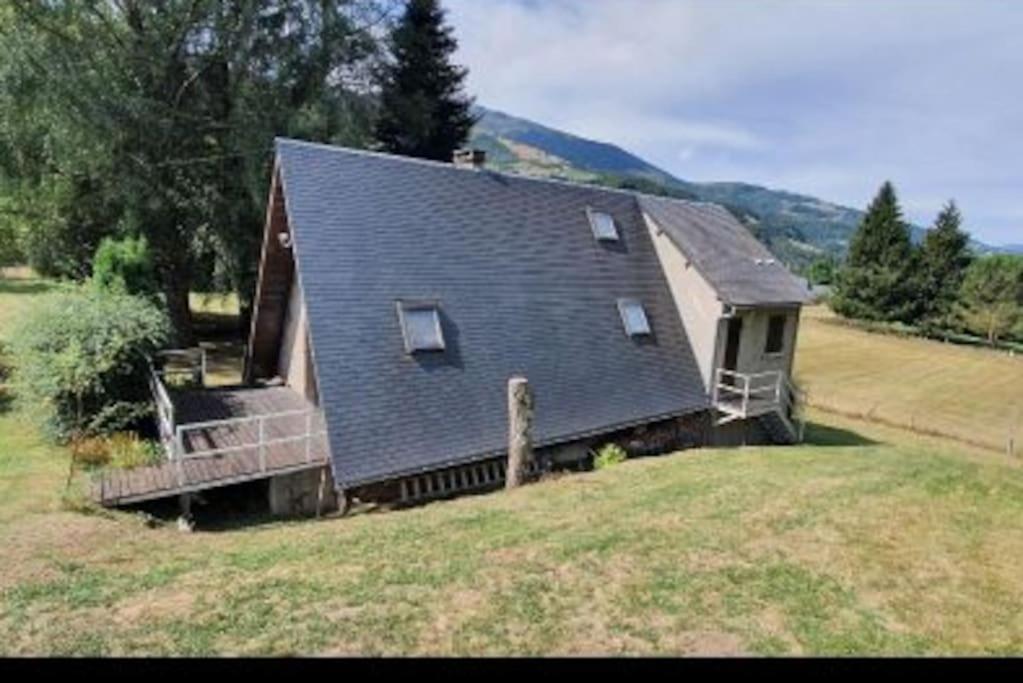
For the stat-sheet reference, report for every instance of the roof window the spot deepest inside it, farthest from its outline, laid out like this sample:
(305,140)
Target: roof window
(633,317)
(420,326)
(603,225)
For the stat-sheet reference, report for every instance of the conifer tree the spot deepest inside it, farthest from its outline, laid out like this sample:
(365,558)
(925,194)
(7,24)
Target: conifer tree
(423,109)
(877,282)
(944,257)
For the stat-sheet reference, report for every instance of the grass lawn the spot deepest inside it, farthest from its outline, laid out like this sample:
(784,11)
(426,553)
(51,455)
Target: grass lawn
(868,540)
(968,393)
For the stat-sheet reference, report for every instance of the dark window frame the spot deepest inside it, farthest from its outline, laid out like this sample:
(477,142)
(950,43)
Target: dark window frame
(775,342)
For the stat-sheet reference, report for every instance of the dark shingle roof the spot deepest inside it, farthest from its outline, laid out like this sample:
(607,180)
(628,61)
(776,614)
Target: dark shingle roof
(721,249)
(524,288)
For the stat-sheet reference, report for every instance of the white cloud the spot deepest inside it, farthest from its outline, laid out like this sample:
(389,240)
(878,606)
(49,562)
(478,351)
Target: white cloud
(823,97)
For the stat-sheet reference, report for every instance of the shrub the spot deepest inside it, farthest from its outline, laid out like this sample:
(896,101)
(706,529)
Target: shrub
(124,266)
(607,455)
(127,451)
(91,451)
(81,353)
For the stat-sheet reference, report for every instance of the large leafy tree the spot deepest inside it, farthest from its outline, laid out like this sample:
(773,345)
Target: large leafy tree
(944,257)
(991,297)
(158,118)
(424,111)
(877,281)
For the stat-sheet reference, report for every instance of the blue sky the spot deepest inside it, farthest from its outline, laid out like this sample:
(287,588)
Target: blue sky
(828,97)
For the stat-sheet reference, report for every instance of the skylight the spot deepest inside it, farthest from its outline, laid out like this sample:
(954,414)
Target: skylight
(603,225)
(420,327)
(633,317)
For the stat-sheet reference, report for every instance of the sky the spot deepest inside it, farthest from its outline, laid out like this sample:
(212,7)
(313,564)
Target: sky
(824,97)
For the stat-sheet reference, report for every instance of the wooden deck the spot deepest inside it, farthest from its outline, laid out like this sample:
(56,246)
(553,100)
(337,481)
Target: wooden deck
(220,453)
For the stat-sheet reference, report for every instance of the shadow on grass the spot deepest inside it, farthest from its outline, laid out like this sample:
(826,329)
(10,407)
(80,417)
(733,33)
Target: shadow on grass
(818,434)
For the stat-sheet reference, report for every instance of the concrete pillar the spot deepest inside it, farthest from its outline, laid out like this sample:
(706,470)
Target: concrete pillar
(520,430)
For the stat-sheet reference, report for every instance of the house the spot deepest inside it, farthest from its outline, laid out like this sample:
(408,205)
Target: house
(397,296)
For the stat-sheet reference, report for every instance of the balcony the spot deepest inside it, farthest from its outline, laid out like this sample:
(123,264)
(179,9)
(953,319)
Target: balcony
(741,396)
(219,436)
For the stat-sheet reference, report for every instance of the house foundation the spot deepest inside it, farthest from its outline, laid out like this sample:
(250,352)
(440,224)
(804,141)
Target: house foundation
(302,494)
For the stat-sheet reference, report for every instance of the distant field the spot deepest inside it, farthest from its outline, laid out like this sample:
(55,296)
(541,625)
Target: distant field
(968,393)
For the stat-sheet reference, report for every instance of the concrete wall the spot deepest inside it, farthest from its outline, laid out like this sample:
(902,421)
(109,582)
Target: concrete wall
(297,494)
(697,302)
(752,356)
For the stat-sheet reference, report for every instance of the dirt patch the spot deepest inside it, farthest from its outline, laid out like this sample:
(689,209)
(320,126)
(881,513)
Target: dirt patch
(154,606)
(705,644)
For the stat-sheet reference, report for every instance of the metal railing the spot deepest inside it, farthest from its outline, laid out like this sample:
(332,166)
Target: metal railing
(187,363)
(251,433)
(742,395)
(736,392)
(164,409)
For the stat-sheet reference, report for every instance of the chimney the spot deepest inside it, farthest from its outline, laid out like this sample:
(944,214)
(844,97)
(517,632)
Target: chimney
(469,158)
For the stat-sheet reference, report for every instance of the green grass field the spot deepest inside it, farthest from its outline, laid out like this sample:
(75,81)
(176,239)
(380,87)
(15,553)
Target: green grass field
(868,540)
(971,394)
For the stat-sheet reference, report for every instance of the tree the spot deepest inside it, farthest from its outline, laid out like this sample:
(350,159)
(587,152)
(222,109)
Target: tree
(991,297)
(157,119)
(125,266)
(81,353)
(822,271)
(423,110)
(944,257)
(877,281)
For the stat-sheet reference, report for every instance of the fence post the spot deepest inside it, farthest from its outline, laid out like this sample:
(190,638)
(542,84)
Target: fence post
(745,395)
(520,430)
(262,444)
(179,446)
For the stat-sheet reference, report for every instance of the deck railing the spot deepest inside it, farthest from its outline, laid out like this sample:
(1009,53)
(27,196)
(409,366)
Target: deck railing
(260,434)
(743,395)
(187,363)
(164,409)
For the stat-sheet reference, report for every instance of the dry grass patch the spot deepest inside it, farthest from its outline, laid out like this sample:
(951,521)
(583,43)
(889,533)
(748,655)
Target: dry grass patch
(972,394)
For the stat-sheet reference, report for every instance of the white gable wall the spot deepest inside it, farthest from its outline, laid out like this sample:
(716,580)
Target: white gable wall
(697,302)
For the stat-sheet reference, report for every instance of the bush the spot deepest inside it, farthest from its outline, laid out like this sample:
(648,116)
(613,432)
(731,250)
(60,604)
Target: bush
(609,454)
(125,266)
(81,353)
(128,451)
(123,450)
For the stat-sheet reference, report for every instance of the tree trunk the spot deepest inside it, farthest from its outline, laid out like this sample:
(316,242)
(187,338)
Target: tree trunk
(179,312)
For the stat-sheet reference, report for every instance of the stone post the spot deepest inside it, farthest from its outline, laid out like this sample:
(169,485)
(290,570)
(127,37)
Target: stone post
(520,430)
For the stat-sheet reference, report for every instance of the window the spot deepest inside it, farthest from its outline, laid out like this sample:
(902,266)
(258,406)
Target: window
(603,225)
(633,317)
(420,326)
(775,334)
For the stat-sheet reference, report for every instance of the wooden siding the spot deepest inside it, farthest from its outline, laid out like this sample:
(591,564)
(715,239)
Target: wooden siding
(276,273)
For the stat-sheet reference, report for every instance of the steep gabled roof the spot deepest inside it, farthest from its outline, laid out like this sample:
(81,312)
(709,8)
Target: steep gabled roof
(734,263)
(523,288)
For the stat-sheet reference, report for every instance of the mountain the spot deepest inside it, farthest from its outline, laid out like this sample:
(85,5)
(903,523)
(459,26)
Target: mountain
(797,228)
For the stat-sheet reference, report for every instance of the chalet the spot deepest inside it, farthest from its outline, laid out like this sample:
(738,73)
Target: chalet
(397,296)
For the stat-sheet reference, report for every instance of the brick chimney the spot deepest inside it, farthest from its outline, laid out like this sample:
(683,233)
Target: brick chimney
(469,158)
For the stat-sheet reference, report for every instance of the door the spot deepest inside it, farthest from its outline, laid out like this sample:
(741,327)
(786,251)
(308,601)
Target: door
(732,340)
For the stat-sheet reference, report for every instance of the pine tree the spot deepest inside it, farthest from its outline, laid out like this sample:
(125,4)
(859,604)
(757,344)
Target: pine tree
(424,111)
(877,282)
(944,257)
